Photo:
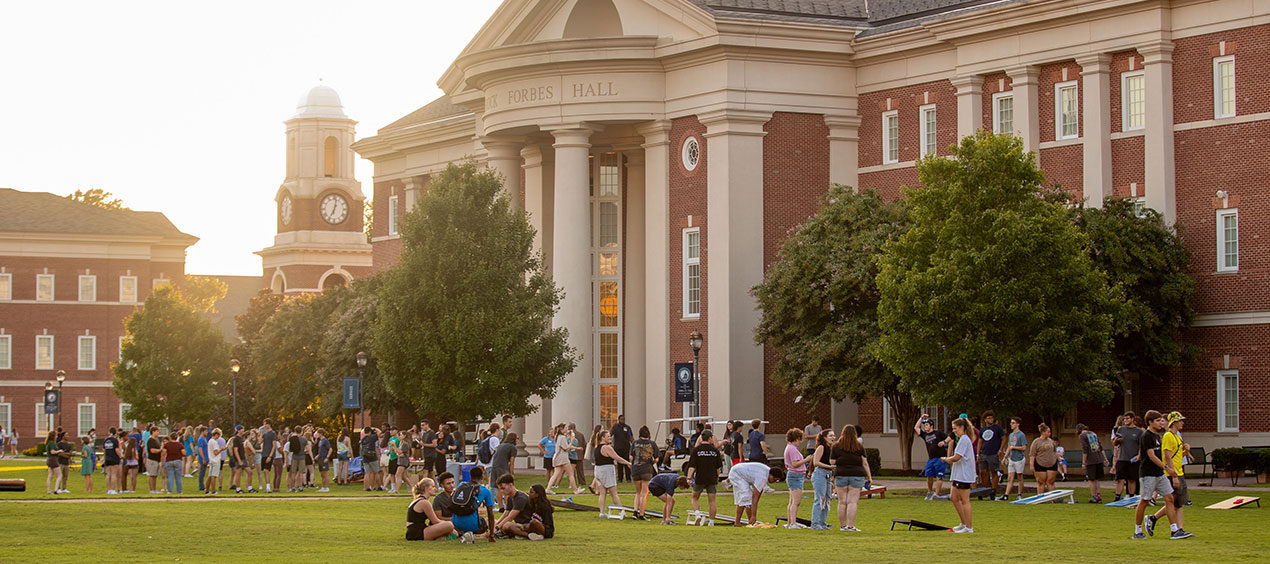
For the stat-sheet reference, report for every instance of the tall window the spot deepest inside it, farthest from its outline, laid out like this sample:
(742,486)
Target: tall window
(606,269)
(330,158)
(1133,94)
(6,289)
(929,142)
(1224,87)
(1227,240)
(1227,401)
(87,418)
(43,352)
(1066,111)
(692,272)
(6,416)
(159,283)
(87,353)
(891,137)
(124,421)
(889,424)
(392,215)
(6,353)
(1003,113)
(42,421)
(88,288)
(128,289)
(44,287)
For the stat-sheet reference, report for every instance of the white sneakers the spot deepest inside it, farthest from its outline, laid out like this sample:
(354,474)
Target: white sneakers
(467,538)
(535,537)
(962,529)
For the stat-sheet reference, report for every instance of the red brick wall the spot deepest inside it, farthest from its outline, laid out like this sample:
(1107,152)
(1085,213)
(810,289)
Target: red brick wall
(1193,389)
(1064,166)
(992,84)
(1193,72)
(795,179)
(1046,99)
(889,182)
(687,197)
(906,102)
(1119,66)
(386,252)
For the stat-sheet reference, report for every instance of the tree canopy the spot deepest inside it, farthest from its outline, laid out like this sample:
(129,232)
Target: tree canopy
(284,358)
(464,322)
(97,197)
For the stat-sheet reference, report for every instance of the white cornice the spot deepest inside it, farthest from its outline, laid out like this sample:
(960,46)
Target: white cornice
(1259,317)
(415,137)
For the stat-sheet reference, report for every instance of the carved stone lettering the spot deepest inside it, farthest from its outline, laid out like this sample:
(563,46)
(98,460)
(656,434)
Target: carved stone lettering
(532,94)
(593,89)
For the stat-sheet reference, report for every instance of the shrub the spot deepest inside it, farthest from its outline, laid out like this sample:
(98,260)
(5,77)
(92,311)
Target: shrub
(37,450)
(1233,459)
(875,459)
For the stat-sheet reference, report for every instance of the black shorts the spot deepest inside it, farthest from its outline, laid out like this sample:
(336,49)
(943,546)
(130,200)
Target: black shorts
(106,463)
(1127,471)
(437,464)
(962,485)
(1093,471)
(392,466)
(1036,467)
(657,491)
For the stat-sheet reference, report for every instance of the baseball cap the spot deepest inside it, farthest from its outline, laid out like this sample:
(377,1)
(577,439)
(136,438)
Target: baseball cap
(238,428)
(1175,416)
(1080,426)
(707,434)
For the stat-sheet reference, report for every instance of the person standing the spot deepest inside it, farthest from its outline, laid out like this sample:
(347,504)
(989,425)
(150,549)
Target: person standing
(190,443)
(577,456)
(370,457)
(323,460)
(1017,452)
(851,475)
(1128,456)
(395,471)
(504,458)
(112,456)
(810,432)
(237,459)
(547,444)
(445,447)
(704,464)
(66,451)
(989,454)
(1043,460)
(153,458)
(203,462)
(268,447)
(343,454)
(822,479)
(1175,453)
(748,480)
(51,451)
(936,448)
(605,470)
(171,457)
(622,438)
(215,455)
(796,476)
(1153,480)
(1093,459)
(87,462)
(254,459)
(428,438)
(963,474)
(757,442)
(298,447)
(643,468)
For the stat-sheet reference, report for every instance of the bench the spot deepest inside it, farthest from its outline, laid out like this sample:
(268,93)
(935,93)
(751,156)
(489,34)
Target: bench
(1199,457)
(1073,459)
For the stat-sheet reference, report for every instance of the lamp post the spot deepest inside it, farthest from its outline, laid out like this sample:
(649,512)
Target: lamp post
(695,341)
(361,380)
(61,377)
(234,366)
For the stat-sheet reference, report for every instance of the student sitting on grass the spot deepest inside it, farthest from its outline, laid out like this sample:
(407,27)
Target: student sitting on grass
(540,510)
(465,505)
(422,523)
(518,521)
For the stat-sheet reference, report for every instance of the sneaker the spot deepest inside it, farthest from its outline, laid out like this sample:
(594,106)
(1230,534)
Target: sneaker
(1179,535)
(640,517)
(853,530)
(959,528)
(1117,499)
(467,538)
(1003,498)
(1138,536)
(788,527)
(801,526)
(1095,500)
(535,537)
(1151,502)
(669,522)
(1149,524)
(930,496)
(965,530)
(820,527)
(112,492)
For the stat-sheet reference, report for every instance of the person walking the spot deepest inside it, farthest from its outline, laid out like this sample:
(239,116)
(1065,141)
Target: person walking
(796,475)
(577,456)
(1093,460)
(851,475)
(963,474)
(1154,481)
(1016,453)
(822,479)
(173,459)
(1175,452)
(1043,459)
(561,463)
(1128,455)
(87,462)
(606,461)
(622,439)
(643,468)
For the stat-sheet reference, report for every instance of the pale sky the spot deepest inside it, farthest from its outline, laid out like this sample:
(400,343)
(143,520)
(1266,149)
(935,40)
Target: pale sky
(178,108)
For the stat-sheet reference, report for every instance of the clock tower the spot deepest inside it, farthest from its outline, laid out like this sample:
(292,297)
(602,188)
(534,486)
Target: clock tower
(320,241)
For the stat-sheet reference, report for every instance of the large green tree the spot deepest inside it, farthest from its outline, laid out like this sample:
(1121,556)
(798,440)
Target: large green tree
(170,361)
(819,303)
(284,359)
(464,324)
(991,299)
(250,324)
(348,333)
(1144,255)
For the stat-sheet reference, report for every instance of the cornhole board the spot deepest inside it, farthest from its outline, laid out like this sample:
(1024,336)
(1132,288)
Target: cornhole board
(1125,502)
(1047,497)
(622,510)
(919,524)
(13,485)
(568,504)
(1235,503)
(980,493)
(702,518)
(879,490)
(801,521)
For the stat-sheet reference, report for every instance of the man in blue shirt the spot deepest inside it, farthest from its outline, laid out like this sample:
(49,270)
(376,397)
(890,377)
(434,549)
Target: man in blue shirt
(202,455)
(758,443)
(469,525)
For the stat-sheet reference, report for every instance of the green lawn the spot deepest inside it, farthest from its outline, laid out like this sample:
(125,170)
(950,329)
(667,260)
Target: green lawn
(321,530)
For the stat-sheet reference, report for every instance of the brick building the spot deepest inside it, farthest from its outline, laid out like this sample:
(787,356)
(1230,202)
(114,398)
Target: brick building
(692,134)
(70,273)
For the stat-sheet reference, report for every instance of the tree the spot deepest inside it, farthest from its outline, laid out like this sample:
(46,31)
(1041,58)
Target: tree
(991,299)
(819,306)
(250,323)
(202,292)
(170,361)
(285,362)
(97,197)
(349,333)
(1143,255)
(464,317)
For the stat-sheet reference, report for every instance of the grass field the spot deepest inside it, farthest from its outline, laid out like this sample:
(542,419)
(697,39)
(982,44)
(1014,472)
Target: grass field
(312,530)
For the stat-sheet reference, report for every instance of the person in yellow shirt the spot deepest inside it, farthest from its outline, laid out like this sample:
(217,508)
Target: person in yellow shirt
(1175,454)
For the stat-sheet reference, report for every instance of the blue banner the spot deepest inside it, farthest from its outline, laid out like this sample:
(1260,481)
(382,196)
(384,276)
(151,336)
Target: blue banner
(52,402)
(352,393)
(683,382)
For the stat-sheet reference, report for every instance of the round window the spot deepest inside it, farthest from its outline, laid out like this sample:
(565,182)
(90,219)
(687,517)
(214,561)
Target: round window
(691,153)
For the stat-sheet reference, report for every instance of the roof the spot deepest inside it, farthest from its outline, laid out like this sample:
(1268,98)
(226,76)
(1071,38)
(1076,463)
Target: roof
(41,212)
(321,101)
(238,293)
(432,111)
(867,14)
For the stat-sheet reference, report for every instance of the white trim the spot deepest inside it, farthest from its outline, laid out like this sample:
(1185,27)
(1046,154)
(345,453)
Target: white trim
(684,153)
(79,418)
(887,139)
(6,288)
(42,420)
(1127,134)
(1242,118)
(889,424)
(7,420)
(996,112)
(135,291)
(66,384)
(93,296)
(1221,401)
(1232,318)
(1058,109)
(1217,88)
(79,353)
(392,215)
(1222,266)
(52,287)
(6,352)
(1124,100)
(885,167)
(52,350)
(686,262)
(1063,143)
(925,130)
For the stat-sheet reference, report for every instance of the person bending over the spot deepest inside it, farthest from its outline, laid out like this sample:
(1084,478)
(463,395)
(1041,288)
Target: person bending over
(662,487)
(518,521)
(422,522)
(748,480)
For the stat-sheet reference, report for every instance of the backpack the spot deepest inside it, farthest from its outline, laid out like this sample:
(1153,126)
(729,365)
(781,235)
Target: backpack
(483,452)
(295,444)
(463,502)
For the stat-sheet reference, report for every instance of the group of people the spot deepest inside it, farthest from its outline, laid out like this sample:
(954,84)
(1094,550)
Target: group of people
(8,441)
(450,511)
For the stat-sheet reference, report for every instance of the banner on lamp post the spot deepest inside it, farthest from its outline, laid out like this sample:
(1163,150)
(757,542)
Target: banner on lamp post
(352,393)
(685,386)
(52,402)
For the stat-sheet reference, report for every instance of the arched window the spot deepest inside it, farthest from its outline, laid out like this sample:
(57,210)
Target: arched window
(330,158)
(334,281)
(593,18)
(279,284)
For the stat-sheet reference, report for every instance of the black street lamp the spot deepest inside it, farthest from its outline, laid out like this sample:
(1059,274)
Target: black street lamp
(234,366)
(61,377)
(695,341)
(361,381)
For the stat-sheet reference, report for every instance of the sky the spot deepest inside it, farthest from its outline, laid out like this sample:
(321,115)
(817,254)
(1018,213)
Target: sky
(177,107)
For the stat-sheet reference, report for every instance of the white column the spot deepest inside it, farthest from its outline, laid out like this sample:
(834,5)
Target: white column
(969,104)
(656,269)
(1096,131)
(844,150)
(504,157)
(571,269)
(635,372)
(733,251)
(1158,138)
(538,211)
(1026,84)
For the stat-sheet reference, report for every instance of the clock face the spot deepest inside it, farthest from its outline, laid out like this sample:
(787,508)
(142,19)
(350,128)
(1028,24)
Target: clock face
(334,209)
(286,210)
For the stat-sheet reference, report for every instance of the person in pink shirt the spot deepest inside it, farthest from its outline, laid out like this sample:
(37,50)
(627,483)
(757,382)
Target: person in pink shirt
(796,468)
